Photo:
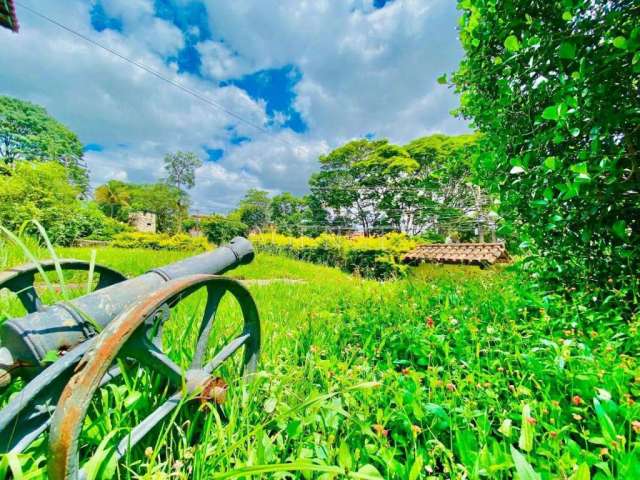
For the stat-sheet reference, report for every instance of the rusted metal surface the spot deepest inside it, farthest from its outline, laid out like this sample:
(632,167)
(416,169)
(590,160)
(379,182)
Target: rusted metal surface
(122,337)
(124,312)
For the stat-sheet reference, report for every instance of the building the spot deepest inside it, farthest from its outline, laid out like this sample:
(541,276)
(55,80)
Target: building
(143,221)
(481,254)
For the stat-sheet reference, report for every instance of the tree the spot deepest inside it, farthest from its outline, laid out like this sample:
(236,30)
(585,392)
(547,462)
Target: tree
(28,132)
(181,169)
(380,186)
(554,87)
(114,197)
(288,213)
(253,210)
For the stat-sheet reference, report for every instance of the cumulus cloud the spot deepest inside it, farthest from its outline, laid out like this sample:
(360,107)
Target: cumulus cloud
(362,70)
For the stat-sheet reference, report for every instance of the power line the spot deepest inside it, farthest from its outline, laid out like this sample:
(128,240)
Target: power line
(194,93)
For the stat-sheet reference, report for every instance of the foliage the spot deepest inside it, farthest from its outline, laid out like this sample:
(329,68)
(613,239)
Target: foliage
(253,210)
(40,191)
(375,257)
(219,229)
(422,186)
(453,372)
(181,169)
(28,132)
(554,86)
(118,199)
(159,241)
(288,214)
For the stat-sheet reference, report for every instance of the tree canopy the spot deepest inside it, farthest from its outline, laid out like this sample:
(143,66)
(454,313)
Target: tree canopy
(28,132)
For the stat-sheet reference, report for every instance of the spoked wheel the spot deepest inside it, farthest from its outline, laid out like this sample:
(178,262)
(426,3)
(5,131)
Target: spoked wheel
(134,334)
(20,280)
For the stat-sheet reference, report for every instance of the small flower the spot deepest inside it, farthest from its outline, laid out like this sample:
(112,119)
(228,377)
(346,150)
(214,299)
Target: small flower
(148,452)
(454,321)
(177,465)
(451,387)
(429,322)
(531,421)
(636,426)
(577,400)
(577,417)
(416,430)
(406,371)
(553,434)
(314,349)
(380,430)
(604,451)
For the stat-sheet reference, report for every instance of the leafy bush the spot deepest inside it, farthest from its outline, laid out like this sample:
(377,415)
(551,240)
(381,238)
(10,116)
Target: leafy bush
(553,87)
(40,191)
(219,229)
(375,257)
(159,241)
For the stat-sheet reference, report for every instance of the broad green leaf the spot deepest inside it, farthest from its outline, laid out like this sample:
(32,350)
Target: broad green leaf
(344,456)
(524,468)
(50,357)
(527,432)
(567,16)
(505,427)
(620,42)
(550,113)
(606,425)
(567,50)
(367,472)
(442,79)
(416,468)
(512,43)
(619,229)
(583,473)
(551,163)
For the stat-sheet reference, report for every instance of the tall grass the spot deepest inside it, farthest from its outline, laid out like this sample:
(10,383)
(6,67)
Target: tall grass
(450,373)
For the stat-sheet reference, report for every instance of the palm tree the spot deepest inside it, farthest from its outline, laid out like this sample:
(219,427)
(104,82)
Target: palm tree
(114,195)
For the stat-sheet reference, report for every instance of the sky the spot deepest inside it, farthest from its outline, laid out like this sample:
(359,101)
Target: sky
(300,77)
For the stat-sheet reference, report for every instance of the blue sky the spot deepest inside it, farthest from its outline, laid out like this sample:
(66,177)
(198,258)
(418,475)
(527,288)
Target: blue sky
(310,75)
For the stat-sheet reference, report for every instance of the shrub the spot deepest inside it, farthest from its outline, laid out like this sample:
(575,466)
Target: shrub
(159,241)
(40,191)
(553,87)
(374,257)
(219,229)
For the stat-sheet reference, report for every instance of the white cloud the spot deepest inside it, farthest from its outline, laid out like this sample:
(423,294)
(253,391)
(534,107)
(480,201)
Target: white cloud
(363,71)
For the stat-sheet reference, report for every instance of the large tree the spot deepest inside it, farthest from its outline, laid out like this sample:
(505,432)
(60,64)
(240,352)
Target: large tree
(379,186)
(181,169)
(554,88)
(28,132)
(253,209)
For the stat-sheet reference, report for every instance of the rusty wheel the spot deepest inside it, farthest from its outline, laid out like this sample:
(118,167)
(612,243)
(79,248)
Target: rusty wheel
(133,335)
(20,280)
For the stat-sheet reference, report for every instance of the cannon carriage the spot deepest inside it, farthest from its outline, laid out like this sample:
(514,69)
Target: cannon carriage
(91,336)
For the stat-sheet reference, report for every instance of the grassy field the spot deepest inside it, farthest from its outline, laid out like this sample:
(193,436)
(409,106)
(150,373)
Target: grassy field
(453,372)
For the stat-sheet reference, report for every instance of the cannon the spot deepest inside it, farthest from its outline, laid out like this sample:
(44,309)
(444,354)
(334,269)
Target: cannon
(67,351)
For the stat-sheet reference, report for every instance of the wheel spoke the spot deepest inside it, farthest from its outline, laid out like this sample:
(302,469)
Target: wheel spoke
(140,430)
(228,350)
(148,354)
(213,300)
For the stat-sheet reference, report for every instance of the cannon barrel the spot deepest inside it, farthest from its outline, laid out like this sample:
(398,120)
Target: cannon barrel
(25,341)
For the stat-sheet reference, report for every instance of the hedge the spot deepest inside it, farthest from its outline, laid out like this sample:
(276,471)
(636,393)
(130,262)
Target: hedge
(159,241)
(372,257)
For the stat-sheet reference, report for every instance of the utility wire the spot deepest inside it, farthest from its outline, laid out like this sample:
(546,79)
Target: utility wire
(198,95)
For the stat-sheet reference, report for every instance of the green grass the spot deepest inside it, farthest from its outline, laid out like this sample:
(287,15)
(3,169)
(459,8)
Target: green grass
(467,366)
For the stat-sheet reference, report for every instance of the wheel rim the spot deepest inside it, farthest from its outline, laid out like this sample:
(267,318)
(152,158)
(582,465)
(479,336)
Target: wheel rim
(123,336)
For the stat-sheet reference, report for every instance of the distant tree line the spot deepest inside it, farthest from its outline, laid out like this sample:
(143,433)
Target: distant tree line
(374,187)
